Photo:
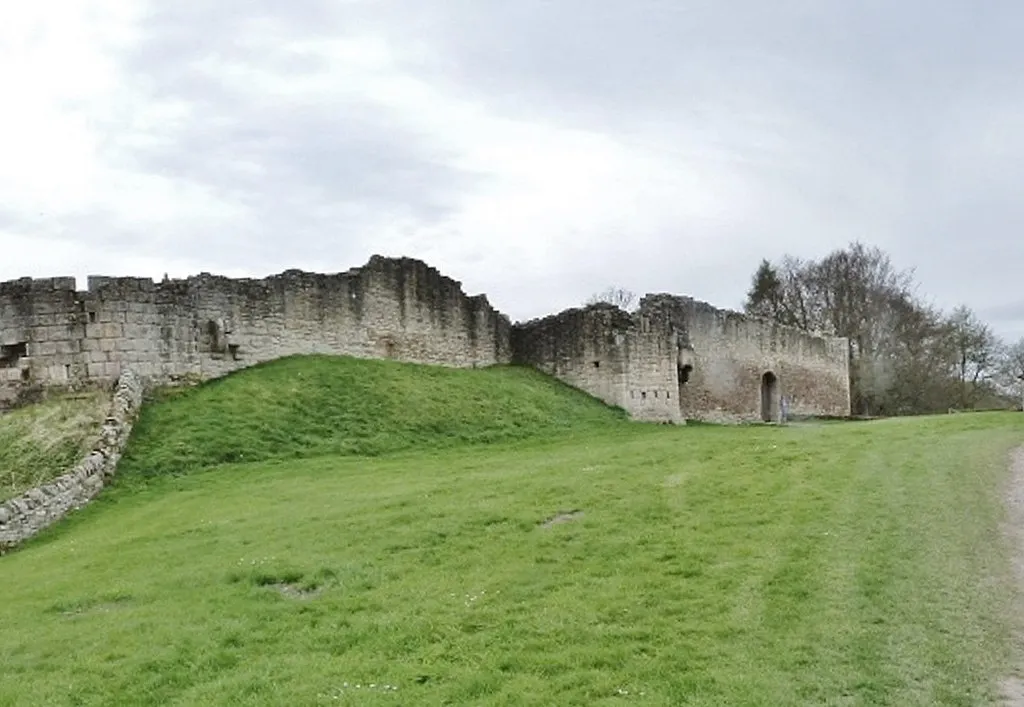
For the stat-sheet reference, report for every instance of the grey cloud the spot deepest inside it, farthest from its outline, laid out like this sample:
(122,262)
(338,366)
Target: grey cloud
(867,101)
(842,120)
(325,173)
(618,57)
(1006,318)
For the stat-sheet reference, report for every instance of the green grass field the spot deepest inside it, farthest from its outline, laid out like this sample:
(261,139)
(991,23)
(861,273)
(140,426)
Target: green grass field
(831,564)
(306,407)
(41,442)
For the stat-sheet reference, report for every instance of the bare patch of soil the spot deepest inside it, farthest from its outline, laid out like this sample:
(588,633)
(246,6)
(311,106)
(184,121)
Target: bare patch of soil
(1012,688)
(294,591)
(566,517)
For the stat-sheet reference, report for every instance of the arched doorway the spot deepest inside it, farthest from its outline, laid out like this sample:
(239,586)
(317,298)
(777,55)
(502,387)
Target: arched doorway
(769,397)
(685,360)
(683,377)
(684,374)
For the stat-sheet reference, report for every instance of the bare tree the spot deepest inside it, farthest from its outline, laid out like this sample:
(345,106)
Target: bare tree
(850,293)
(921,353)
(618,296)
(976,349)
(1011,368)
(798,307)
(905,356)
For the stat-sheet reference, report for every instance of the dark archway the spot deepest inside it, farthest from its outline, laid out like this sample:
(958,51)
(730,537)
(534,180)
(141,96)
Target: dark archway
(683,372)
(769,397)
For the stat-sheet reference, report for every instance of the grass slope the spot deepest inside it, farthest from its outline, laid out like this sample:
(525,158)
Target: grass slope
(841,564)
(41,442)
(315,406)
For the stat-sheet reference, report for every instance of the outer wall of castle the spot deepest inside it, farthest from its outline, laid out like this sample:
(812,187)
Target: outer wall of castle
(206,326)
(673,359)
(743,368)
(627,361)
(677,359)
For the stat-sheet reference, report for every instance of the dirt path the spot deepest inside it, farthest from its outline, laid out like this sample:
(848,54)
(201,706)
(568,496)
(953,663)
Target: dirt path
(1012,688)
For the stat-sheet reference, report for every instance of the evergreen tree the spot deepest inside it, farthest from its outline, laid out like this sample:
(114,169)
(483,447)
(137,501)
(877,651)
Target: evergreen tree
(764,299)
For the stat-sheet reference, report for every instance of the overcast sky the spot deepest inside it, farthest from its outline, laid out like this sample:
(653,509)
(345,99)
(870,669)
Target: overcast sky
(536,150)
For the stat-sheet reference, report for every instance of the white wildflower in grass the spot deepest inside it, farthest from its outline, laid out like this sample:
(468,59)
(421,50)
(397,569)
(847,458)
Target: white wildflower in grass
(338,692)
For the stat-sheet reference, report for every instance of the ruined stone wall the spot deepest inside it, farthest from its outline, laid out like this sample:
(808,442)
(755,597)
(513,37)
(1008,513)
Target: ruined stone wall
(623,360)
(36,317)
(732,353)
(674,358)
(207,326)
(39,508)
(677,359)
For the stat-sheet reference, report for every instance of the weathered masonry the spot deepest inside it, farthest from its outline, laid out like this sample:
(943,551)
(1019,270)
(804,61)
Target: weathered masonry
(675,358)
(207,326)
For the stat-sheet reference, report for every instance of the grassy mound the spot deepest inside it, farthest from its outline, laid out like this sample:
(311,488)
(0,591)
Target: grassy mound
(310,406)
(42,441)
(839,564)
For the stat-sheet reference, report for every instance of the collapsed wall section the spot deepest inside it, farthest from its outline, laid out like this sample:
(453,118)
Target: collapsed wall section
(207,326)
(626,361)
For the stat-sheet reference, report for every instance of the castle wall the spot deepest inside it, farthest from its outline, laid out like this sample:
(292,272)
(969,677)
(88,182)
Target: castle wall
(731,353)
(673,359)
(37,319)
(207,326)
(624,361)
(677,359)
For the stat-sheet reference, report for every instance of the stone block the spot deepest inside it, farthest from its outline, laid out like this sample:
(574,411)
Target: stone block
(46,348)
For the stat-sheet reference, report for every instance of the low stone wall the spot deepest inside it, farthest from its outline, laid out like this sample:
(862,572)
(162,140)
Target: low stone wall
(23,517)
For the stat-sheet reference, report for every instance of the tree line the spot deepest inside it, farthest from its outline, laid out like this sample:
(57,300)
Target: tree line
(906,356)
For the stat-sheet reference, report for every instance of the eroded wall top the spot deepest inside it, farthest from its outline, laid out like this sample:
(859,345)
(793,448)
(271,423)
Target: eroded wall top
(206,325)
(675,357)
(742,367)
